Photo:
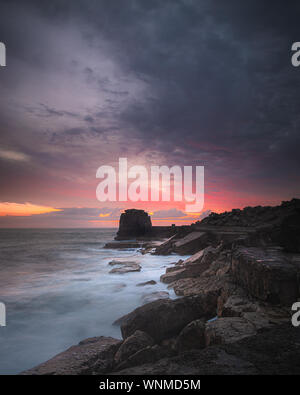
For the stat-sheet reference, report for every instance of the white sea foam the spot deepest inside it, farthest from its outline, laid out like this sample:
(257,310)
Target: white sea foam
(57,289)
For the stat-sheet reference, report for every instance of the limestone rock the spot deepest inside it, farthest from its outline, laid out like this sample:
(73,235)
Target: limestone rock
(149,354)
(192,336)
(132,344)
(92,354)
(272,351)
(228,330)
(191,267)
(266,274)
(165,318)
(191,243)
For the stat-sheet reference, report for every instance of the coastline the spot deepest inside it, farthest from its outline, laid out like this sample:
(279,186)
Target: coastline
(234,312)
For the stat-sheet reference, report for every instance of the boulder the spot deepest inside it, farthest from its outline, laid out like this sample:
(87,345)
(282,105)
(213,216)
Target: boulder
(90,355)
(149,354)
(192,336)
(134,223)
(132,344)
(272,351)
(165,318)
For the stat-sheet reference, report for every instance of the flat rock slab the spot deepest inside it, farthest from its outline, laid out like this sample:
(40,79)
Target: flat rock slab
(267,274)
(122,262)
(123,244)
(95,353)
(126,269)
(191,243)
(150,282)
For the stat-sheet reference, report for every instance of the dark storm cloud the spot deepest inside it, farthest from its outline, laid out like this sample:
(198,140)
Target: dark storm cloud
(218,87)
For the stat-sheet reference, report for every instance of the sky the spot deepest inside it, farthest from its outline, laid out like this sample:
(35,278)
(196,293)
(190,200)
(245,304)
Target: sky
(172,82)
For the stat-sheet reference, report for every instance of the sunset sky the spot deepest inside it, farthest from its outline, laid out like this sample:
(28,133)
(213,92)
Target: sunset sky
(160,82)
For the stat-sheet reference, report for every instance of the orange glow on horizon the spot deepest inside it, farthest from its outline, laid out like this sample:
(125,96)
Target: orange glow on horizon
(24,209)
(104,215)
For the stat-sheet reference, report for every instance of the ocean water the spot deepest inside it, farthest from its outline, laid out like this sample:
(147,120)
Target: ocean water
(57,289)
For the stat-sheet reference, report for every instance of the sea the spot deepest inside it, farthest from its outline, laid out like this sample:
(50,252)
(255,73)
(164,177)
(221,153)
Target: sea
(57,289)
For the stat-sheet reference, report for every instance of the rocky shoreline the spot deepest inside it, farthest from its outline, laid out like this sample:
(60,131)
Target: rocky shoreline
(233,314)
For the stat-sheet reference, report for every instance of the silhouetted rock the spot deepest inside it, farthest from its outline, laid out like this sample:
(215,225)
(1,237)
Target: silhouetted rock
(134,223)
(254,216)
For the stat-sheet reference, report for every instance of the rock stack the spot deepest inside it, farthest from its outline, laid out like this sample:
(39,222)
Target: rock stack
(134,223)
